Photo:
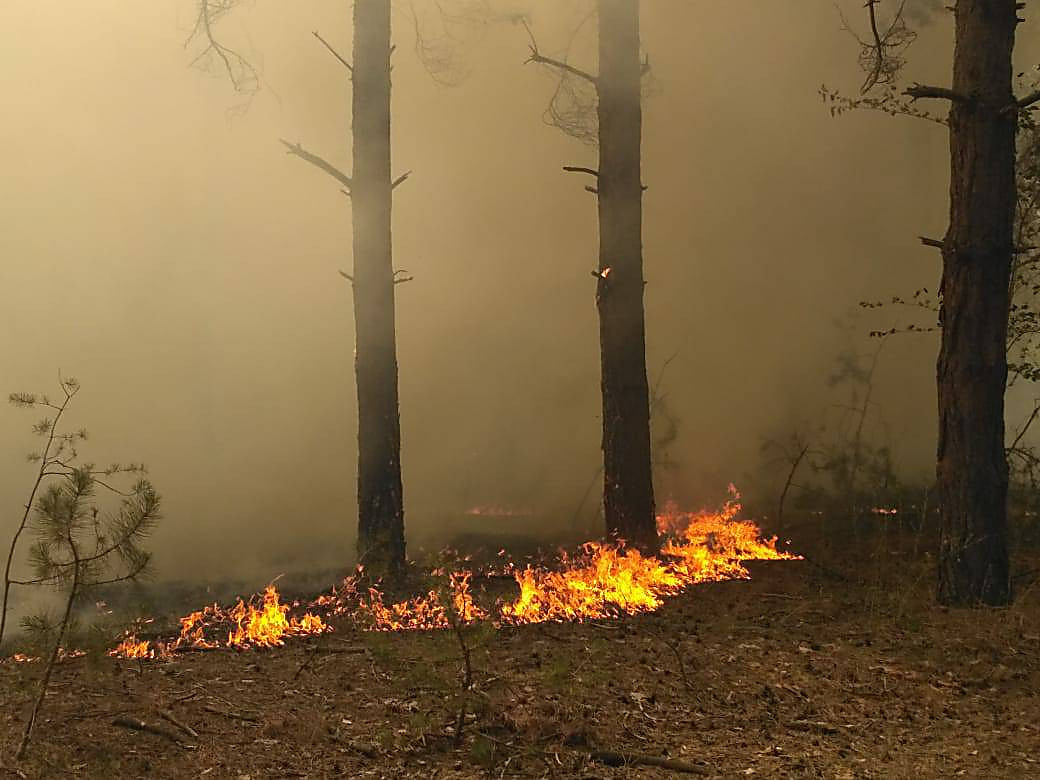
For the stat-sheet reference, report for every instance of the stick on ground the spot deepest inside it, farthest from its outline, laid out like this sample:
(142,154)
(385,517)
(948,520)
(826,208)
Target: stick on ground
(633,759)
(139,725)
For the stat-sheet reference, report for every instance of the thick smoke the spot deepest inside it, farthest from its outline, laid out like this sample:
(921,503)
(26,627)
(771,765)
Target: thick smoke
(184,268)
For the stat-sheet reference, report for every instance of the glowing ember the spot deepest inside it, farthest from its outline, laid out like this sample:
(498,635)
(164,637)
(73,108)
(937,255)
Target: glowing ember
(496,511)
(22,658)
(63,655)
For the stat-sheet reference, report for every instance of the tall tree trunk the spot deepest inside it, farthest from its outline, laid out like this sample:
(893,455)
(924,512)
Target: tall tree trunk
(628,494)
(380,500)
(972,367)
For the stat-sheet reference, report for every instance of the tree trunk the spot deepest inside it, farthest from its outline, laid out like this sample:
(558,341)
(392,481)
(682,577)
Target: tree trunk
(972,367)
(628,494)
(380,541)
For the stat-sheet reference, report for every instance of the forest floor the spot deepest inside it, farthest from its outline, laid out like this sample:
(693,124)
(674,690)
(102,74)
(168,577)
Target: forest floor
(794,673)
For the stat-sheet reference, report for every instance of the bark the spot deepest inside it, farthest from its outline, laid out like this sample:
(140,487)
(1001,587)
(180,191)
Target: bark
(972,469)
(628,494)
(380,542)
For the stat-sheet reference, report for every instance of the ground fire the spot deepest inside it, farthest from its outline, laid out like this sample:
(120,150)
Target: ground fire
(602,581)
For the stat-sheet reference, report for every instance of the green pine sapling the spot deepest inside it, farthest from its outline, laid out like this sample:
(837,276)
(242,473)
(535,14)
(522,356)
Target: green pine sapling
(77,546)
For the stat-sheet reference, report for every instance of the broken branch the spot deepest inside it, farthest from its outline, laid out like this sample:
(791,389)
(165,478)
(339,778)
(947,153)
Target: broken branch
(579,169)
(931,242)
(298,151)
(917,91)
(400,180)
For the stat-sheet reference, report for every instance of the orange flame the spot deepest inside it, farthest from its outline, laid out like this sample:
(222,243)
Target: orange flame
(265,625)
(604,580)
(423,612)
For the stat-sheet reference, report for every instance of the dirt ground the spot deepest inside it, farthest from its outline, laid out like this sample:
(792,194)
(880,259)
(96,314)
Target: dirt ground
(795,673)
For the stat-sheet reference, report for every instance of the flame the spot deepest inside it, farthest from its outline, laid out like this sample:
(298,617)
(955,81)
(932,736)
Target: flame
(263,621)
(424,612)
(601,581)
(64,654)
(131,647)
(267,626)
(604,580)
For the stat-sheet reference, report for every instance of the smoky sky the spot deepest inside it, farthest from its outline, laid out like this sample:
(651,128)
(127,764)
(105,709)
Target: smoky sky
(923,11)
(159,245)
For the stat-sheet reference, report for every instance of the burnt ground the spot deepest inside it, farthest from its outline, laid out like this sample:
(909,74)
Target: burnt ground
(796,673)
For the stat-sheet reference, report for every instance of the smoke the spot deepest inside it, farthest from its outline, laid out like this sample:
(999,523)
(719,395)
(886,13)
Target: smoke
(923,12)
(184,268)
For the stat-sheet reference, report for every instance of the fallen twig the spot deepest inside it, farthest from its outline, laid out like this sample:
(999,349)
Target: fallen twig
(231,714)
(674,647)
(369,751)
(139,725)
(815,725)
(634,759)
(169,716)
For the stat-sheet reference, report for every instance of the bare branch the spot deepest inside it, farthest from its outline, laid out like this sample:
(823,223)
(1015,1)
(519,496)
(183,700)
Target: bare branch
(400,180)
(934,242)
(243,75)
(335,53)
(318,162)
(1028,100)
(1025,428)
(881,57)
(579,169)
(538,57)
(564,66)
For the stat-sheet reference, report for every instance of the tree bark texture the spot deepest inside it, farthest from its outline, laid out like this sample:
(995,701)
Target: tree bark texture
(972,469)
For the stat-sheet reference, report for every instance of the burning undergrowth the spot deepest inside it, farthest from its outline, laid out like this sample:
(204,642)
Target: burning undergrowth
(602,580)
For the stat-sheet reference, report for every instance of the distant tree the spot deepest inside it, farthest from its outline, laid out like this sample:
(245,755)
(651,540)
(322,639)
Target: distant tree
(975,293)
(615,96)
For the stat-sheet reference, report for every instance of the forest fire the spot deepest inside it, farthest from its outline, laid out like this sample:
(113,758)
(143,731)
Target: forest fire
(425,612)
(249,624)
(602,581)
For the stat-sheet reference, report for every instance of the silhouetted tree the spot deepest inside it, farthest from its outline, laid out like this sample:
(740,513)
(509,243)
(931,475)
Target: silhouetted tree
(380,499)
(616,93)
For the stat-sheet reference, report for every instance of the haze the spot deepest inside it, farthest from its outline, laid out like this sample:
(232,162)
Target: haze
(167,253)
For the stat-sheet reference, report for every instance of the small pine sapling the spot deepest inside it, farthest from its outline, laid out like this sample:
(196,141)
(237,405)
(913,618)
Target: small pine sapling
(78,546)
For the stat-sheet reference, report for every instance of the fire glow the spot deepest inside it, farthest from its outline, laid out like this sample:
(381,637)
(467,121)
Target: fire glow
(260,622)
(602,581)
